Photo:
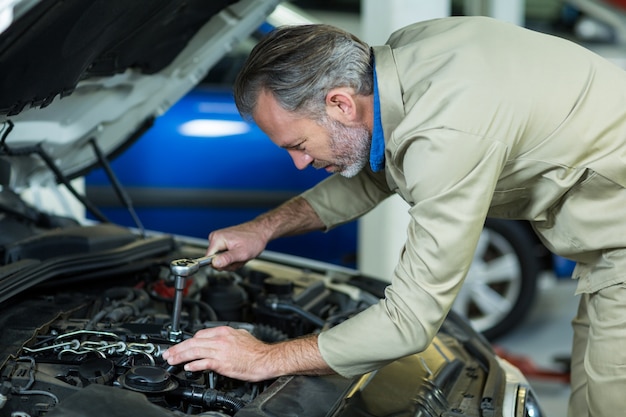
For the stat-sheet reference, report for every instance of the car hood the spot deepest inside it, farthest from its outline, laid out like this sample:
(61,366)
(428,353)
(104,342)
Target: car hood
(82,78)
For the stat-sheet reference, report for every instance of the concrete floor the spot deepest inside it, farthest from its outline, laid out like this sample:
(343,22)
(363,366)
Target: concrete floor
(544,336)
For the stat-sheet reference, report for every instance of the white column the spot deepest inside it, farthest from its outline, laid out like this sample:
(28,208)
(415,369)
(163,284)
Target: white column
(379,18)
(507,10)
(382,232)
(512,11)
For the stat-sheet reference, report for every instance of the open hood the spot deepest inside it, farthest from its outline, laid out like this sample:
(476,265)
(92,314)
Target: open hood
(81,78)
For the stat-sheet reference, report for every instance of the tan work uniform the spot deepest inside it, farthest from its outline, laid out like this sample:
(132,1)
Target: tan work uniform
(483,118)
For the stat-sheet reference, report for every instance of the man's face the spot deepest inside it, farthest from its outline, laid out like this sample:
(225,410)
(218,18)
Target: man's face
(328,144)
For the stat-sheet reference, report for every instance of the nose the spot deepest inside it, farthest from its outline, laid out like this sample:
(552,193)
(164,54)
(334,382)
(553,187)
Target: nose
(300,159)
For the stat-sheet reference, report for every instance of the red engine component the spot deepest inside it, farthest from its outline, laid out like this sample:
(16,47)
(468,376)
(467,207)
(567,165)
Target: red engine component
(618,3)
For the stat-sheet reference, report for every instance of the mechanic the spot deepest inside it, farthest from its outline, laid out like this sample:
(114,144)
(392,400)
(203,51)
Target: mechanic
(464,118)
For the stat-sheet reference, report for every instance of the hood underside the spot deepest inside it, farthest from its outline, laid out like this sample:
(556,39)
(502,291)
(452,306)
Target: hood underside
(77,75)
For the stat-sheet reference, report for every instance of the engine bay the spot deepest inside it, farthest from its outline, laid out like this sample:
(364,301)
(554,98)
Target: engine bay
(60,343)
(87,311)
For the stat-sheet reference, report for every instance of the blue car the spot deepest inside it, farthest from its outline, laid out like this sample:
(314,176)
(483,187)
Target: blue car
(220,171)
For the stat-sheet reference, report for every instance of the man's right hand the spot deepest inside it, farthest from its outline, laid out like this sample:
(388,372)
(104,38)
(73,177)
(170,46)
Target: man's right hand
(239,244)
(236,245)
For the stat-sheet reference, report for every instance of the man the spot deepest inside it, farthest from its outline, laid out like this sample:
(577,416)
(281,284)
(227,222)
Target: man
(464,118)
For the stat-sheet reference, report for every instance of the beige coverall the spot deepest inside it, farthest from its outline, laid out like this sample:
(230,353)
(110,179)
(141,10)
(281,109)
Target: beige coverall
(483,118)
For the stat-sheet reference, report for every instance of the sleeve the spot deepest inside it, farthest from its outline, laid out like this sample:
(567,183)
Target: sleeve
(338,200)
(450,178)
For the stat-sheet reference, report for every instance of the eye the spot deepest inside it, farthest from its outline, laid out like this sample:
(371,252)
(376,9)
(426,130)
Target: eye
(297,147)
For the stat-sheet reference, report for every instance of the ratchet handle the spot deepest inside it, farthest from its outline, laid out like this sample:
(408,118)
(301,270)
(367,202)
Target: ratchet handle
(182,268)
(186,267)
(205,260)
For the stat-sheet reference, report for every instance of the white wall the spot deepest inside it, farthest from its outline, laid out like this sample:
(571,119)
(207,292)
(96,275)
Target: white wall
(382,232)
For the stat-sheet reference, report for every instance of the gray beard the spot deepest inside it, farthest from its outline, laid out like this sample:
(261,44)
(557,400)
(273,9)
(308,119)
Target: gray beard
(351,146)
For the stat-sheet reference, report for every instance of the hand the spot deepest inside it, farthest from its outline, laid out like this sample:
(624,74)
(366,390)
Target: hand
(238,354)
(237,244)
(246,241)
(227,351)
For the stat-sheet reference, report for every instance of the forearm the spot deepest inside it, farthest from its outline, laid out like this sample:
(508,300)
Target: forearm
(293,217)
(296,357)
(238,244)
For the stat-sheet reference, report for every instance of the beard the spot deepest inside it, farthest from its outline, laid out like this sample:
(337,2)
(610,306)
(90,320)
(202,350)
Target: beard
(350,147)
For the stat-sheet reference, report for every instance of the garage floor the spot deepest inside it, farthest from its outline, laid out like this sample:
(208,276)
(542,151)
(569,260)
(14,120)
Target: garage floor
(543,337)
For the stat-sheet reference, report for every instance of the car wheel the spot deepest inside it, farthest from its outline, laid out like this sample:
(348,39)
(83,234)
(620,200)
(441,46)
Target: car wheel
(501,283)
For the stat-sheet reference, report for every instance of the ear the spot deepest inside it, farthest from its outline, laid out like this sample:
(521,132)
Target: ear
(341,105)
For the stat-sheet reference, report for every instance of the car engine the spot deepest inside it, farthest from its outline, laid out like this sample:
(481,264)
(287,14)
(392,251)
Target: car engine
(86,311)
(63,342)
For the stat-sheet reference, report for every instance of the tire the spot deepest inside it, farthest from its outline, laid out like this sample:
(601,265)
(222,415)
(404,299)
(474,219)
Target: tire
(501,284)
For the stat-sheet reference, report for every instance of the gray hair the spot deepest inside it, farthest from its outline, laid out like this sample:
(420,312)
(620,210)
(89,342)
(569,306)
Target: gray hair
(299,65)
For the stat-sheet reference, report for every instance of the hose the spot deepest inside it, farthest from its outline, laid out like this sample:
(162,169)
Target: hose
(286,307)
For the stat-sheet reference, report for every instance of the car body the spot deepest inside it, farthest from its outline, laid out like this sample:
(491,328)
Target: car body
(88,307)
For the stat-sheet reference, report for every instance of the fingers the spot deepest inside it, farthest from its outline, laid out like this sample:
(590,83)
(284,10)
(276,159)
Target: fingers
(227,351)
(219,247)
(216,243)
(192,349)
(226,261)
(234,246)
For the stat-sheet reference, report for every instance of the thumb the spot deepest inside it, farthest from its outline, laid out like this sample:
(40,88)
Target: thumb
(220,261)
